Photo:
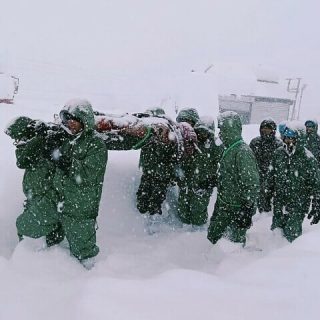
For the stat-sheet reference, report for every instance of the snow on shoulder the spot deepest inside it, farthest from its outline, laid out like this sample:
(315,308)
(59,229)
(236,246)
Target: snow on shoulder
(227,115)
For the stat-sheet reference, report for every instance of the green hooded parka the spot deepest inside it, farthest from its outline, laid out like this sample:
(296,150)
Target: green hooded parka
(238,183)
(39,217)
(313,140)
(197,172)
(263,148)
(292,180)
(79,179)
(157,162)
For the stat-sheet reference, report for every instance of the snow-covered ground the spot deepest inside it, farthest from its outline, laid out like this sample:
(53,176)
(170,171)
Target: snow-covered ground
(174,273)
(128,56)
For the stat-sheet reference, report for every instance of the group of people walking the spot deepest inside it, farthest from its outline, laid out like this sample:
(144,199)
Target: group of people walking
(65,163)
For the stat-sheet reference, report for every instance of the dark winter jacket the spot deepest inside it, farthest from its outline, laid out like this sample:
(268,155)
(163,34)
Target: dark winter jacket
(32,154)
(292,180)
(206,159)
(189,115)
(238,177)
(313,142)
(187,170)
(263,149)
(197,175)
(158,158)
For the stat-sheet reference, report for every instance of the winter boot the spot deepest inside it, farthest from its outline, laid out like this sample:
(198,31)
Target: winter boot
(55,237)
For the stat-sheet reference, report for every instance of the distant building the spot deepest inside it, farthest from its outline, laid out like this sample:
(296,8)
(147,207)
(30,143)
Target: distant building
(8,88)
(254,109)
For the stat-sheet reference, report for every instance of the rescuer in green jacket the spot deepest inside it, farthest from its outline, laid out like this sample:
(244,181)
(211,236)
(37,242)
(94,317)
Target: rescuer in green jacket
(198,173)
(33,153)
(294,183)
(263,148)
(157,162)
(238,184)
(312,138)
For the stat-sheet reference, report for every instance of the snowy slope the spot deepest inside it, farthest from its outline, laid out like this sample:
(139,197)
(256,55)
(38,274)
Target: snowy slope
(172,274)
(127,56)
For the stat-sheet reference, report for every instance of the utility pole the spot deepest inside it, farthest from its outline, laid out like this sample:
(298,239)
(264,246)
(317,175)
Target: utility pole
(294,89)
(176,107)
(301,93)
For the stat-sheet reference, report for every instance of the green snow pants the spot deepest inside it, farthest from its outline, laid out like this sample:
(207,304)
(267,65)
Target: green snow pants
(41,218)
(152,192)
(193,206)
(81,235)
(223,222)
(290,223)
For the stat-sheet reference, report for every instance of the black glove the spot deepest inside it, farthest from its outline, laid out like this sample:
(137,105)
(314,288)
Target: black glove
(314,212)
(244,217)
(62,162)
(53,142)
(316,219)
(39,127)
(207,184)
(62,157)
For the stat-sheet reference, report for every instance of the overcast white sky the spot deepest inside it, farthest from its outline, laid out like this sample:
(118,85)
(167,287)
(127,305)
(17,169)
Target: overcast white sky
(147,36)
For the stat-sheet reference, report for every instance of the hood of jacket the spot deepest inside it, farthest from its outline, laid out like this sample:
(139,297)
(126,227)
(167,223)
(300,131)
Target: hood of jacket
(80,110)
(270,124)
(230,126)
(298,130)
(203,131)
(156,111)
(190,116)
(313,123)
